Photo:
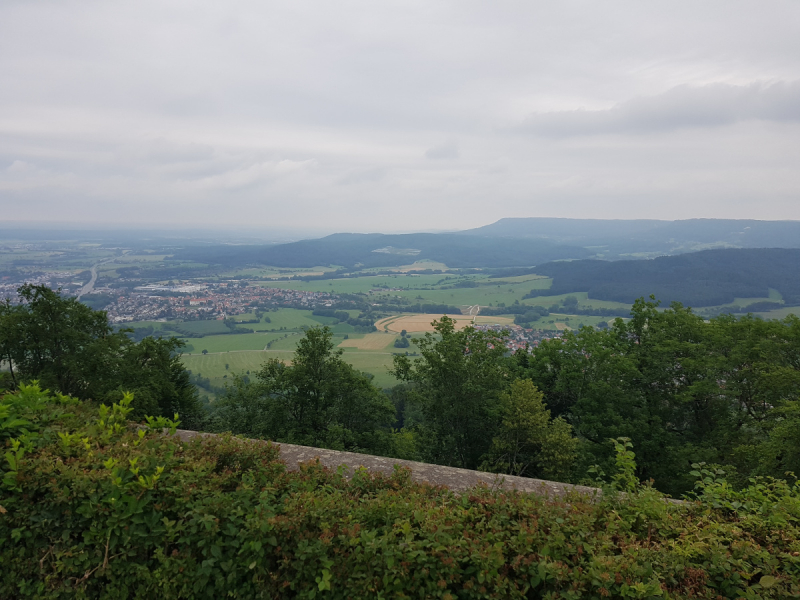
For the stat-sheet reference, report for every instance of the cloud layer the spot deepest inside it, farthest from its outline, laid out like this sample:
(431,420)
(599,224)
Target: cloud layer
(684,106)
(364,116)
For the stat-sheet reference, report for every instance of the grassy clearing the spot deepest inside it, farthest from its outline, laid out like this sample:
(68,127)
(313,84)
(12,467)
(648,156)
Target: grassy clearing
(273,272)
(241,361)
(353,285)
(289,318)
(228,343)
(376,364)
(773,296)
(483,295)
(419,265)
(371,341)
(436,288)
(203,327)
(483,320)
(565,321)
(517,279)
(780,313)
(343,328)
(583,301)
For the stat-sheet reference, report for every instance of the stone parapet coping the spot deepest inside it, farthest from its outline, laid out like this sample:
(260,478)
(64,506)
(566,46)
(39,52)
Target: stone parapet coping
(458,480)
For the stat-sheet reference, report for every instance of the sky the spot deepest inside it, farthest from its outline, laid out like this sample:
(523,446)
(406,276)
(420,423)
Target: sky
(396,116)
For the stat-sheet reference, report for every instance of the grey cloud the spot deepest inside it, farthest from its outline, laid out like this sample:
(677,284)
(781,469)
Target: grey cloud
(448,150)
(681,107)
(168,151)
(312,114)
(363,176)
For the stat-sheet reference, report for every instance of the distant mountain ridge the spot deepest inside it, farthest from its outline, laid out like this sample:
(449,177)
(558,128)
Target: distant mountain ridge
(523,242)
(353,250)
(619,237)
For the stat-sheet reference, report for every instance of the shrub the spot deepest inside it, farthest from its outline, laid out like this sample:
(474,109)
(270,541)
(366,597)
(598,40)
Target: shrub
(93,508)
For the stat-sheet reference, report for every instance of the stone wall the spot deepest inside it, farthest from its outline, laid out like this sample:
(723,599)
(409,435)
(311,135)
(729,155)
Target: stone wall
(456,479)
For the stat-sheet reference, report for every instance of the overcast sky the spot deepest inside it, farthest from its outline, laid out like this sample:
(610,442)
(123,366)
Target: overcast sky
(389,116)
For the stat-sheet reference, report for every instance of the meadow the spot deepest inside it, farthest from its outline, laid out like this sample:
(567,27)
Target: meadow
(355,285)
(372,353)
(227,343)
(241,362)
(369,341)
(434,289)
(780,313)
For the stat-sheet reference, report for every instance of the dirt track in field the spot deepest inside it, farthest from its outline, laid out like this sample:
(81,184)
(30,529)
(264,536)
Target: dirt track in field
(420,323)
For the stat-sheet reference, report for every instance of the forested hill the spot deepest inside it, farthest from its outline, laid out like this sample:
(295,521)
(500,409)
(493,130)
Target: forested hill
(617,237)
(380,250)
(707,278)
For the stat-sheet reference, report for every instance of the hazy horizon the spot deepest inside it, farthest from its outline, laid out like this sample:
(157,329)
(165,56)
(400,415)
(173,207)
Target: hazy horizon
(395,117)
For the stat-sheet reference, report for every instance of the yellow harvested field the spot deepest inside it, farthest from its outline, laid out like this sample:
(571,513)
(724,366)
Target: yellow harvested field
(371,341)
(419,323)
(562,326)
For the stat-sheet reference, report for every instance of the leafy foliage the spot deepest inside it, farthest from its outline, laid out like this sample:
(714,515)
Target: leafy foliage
(682,389)
(69,347)
(318,400)
(529,443)
(457,383)
(93,509)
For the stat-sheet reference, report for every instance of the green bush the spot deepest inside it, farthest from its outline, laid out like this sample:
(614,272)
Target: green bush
(93,508)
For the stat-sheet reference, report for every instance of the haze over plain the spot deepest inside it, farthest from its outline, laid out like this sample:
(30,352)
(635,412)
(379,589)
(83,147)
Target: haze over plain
(397,116)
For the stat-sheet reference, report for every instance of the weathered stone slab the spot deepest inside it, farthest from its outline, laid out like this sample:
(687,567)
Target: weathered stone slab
(458,480)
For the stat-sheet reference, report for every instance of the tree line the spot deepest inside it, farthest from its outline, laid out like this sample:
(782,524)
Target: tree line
(70,348)
(707,278)
(685,390)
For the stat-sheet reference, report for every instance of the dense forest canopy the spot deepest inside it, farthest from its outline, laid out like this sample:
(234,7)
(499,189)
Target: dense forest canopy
(707,278)
(684,389)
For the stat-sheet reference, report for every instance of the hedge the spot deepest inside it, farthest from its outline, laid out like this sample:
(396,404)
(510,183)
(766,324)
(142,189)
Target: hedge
(92,508)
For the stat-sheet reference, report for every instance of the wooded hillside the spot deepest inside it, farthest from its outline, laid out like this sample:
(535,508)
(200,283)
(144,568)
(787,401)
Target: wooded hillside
(707,278)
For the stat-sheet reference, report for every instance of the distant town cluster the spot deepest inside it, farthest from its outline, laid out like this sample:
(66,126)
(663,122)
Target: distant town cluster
(52,279)
(518,338)
(191,302)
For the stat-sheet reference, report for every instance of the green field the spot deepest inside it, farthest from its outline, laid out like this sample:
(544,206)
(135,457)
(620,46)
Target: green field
(267,272)
(227,343)
(246,351)
(484,294)
(241,361)
(435,289)
(353,285)
(288,318)
(420,265)
(571,321)
(780,313)
(203,327)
